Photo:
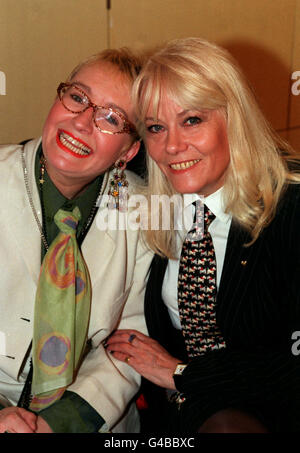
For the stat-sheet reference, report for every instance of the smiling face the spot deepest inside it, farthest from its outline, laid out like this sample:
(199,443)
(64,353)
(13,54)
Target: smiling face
(76,151)
(189,146)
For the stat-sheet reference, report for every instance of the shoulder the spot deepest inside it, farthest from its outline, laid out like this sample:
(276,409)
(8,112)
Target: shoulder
(11,163)
(136,184)
(287,218)
(9,159)
(8,153)
(290,200)
(133,178)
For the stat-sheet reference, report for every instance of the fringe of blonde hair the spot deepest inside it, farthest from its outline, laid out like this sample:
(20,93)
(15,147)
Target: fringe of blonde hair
(126,61)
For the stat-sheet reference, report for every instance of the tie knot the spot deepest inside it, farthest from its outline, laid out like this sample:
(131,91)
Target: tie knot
(67,221)
(208,217)
(200,212)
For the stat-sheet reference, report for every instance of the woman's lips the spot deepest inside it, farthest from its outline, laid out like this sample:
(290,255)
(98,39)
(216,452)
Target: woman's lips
(69,143)
(182,166)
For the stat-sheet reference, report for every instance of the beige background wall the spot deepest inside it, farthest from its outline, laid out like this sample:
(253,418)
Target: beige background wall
(41,40)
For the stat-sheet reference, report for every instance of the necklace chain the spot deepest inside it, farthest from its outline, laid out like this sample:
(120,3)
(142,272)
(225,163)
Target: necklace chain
(35,214)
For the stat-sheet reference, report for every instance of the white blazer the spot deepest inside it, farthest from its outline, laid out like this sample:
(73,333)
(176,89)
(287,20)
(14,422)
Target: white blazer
(118,265)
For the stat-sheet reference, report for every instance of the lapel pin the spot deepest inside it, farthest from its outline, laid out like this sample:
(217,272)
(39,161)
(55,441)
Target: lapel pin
(243,263)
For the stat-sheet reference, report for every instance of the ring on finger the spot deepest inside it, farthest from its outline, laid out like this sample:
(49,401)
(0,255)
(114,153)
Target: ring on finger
(127,359)
(131,338)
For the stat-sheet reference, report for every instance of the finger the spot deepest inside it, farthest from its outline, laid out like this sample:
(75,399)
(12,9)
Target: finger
(14,423)
(136,346)
(131,338)
(132,361)
(127,336)
(29,417)
(139,335)
(126,358)
(123,348)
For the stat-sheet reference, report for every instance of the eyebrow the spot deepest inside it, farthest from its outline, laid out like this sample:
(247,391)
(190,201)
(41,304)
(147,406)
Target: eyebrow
(108,104)
(151,118)
(180,114)
(117,107)
(82,85)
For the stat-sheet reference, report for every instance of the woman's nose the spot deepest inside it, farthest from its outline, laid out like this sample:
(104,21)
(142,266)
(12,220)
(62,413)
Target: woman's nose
(84,121)
(175,141)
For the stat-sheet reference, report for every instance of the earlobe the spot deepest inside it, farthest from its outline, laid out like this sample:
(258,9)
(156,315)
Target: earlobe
(132,152)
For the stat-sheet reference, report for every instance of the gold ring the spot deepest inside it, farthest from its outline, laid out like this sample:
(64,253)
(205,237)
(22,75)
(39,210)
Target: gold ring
(127,359)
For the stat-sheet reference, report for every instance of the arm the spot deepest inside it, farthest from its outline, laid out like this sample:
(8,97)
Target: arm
(71,414)
(249,370)
(267,376)
(105,383)
(220,379)
(100,381)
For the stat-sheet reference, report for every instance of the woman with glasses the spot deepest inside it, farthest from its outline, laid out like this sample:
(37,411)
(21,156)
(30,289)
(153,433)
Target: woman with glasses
(55,374)
(222,302)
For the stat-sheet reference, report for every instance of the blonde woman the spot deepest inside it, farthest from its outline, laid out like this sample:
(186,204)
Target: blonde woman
(223,312)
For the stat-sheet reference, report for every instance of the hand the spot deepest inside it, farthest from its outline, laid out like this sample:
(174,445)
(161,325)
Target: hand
(42,426)
(145,355)
(17,420)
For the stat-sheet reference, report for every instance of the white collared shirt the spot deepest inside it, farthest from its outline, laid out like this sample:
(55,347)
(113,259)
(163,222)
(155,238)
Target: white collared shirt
(219,230)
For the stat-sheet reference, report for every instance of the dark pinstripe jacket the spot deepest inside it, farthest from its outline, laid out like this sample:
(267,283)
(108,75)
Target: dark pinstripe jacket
(258,309)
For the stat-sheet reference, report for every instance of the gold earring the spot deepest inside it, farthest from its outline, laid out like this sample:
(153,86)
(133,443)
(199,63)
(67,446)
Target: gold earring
(117,185)
(42,169)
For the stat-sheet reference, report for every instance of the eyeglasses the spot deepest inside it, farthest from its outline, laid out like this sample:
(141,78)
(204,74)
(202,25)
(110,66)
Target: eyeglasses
(106,119)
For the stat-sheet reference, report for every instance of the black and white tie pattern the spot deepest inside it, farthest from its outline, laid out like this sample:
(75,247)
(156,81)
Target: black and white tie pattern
(197,288)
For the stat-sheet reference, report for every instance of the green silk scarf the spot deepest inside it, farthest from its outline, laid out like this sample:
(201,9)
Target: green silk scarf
(62,311)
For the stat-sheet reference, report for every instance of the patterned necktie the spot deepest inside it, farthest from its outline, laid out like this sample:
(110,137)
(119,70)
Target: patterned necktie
(62,310)
(197,288)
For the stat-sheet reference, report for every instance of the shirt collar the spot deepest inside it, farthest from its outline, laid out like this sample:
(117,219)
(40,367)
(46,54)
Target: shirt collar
(55,200)
(214,202)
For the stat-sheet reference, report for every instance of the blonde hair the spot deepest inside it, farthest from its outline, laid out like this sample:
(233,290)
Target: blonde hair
(198,74)
(123,59)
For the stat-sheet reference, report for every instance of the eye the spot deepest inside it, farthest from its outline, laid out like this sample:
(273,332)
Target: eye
(112,118)
(154,128)
(74,97)
(108,120)
(192,121)
(77,98)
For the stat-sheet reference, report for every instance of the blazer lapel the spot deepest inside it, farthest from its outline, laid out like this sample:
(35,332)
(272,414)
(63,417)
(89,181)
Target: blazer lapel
(235,262)
(99,244)
(98,248)
(22,223)
(23,235)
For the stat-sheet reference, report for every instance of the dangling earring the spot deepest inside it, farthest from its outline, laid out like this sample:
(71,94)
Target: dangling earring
(42,169)
(117,185)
